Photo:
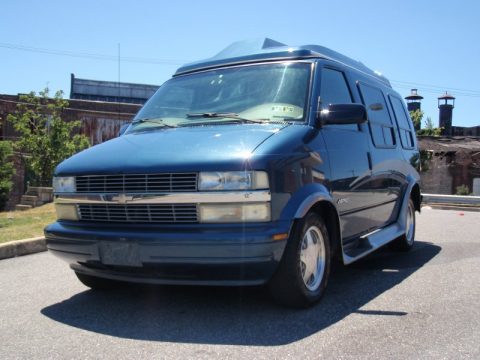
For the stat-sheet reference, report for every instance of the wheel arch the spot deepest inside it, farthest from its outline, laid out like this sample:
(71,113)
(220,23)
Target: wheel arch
(416,196)
(316,198)
(329,213)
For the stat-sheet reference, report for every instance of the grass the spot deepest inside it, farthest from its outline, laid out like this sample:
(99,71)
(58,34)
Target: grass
(17,225)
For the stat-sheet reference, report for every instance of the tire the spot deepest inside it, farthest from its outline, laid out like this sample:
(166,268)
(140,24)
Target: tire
(406,242)
(302,275)
(96,283)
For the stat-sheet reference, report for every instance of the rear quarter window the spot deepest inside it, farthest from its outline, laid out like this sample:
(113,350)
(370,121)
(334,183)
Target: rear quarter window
(403,122)
(380,122)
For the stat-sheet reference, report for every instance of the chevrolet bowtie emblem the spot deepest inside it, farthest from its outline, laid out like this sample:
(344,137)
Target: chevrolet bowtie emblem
(122,198)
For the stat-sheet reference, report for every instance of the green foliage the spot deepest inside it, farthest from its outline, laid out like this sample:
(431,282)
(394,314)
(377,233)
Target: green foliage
(429,129)
(417,117)
(463,190)
(425,157)
(6,172)
(44,136)
(421,160)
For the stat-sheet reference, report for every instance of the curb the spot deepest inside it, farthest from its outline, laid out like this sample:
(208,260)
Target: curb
(22,247)
(458,207)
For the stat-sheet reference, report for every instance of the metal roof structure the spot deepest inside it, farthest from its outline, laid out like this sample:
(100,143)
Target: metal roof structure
(110,91)
(446,96)
(414,96)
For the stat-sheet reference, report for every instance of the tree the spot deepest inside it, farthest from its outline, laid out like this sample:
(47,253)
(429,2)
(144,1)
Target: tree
(429,129)
(45,137)
(463,190)
(416,116)
(6,172)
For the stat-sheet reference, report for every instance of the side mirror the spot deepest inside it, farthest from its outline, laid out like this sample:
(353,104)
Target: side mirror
(123,128)
(342,114)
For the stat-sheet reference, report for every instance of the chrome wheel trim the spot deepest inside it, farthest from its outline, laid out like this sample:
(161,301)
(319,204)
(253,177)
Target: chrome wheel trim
(410,226)
(312,258)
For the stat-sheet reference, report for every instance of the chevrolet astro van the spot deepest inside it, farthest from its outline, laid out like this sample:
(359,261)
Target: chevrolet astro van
(261,165)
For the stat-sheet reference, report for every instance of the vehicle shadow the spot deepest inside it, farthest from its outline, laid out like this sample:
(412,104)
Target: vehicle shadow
(237,316)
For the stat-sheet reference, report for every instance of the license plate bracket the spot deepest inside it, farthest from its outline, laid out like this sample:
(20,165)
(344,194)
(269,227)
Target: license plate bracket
(120,254)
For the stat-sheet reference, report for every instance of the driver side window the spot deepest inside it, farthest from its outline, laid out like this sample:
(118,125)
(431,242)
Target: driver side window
(334,90)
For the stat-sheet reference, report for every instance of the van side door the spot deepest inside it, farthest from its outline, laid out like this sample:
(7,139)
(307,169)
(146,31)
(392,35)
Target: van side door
(386,157)
(347,147)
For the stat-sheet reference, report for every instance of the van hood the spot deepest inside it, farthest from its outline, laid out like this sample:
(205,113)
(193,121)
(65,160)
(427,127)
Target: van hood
(220,147)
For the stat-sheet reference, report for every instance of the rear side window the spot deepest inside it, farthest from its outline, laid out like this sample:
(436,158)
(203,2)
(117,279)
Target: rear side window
(334,90)
(403,123)
(381,126)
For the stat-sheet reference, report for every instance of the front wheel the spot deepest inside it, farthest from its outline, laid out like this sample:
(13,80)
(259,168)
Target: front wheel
(303,272)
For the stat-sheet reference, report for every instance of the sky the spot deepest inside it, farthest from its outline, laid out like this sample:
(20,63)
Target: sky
(430,45)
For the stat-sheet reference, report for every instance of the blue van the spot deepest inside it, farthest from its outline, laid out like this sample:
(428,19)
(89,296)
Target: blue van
(261,165)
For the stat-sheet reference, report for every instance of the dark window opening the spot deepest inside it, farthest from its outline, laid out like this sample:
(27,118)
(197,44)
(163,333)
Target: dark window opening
(403,122)
(334,90)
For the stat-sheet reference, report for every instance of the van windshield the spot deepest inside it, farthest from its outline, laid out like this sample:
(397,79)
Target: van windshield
(245,94)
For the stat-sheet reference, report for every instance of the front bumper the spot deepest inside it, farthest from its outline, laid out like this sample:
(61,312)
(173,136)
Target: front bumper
(198,254)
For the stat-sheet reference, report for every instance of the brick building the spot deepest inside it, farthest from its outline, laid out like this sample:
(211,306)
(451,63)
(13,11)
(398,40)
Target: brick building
(100,121)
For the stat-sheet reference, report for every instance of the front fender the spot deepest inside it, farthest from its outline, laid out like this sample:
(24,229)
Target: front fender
(304,199)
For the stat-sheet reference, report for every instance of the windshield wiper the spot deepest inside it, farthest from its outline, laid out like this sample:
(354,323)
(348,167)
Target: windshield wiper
(158,121)
(229,116)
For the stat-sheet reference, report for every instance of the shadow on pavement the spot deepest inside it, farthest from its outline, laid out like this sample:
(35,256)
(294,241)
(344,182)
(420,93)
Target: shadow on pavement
(237,316)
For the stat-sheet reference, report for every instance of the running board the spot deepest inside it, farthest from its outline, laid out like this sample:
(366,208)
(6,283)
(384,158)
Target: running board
(372,241)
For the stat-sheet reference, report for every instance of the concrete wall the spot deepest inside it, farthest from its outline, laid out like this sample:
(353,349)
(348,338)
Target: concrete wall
(437,179)
(447,171)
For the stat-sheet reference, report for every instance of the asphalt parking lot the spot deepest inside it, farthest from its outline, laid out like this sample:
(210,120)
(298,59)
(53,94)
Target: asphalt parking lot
(423,304)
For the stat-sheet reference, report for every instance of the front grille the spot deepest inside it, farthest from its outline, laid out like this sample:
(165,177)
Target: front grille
(144,213)
(137,183)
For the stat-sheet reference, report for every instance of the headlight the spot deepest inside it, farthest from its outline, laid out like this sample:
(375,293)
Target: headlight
(221,213)
(66,211)
(233,180)
(63,184)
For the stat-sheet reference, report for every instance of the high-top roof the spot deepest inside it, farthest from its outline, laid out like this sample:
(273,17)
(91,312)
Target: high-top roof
(267,49)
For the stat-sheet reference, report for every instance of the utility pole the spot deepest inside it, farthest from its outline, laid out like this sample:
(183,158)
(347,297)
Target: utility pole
(118,64)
